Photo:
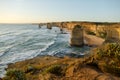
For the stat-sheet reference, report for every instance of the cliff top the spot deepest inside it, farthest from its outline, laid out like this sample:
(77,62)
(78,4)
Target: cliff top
(98,66)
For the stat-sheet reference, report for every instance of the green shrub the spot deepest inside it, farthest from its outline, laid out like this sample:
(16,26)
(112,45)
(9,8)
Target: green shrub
(109,54)
(112,69)
(90,33)
(78,26)
(110,50)
(54,69)
(30,69)
(102,34)
(14,74)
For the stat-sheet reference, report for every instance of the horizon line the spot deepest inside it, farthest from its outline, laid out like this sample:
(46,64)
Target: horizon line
(58,21)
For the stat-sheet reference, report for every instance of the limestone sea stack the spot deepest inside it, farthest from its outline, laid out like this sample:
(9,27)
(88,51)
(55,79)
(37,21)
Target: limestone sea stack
(49,26)
(77,36)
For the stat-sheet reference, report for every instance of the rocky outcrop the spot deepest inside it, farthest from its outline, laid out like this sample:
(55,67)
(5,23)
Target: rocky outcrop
(77,36)
(41,24)
(49,26)
(113,33)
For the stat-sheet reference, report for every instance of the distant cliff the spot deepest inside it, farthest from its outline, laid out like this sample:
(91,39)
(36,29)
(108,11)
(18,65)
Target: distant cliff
(106,30)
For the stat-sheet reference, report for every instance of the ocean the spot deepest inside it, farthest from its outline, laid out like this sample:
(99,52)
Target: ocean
(25,41)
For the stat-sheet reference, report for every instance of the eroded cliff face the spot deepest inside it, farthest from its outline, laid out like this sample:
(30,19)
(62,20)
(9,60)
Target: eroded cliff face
(110,30)
(113,33)
(106,30)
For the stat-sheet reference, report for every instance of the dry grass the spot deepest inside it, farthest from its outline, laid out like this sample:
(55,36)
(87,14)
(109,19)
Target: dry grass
(93,67)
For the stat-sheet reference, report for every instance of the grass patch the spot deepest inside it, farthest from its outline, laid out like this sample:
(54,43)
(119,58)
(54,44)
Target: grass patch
(90,33)
(102,35)
(14,74)
(109,56)
(54,69)
(110,50)
(112,69)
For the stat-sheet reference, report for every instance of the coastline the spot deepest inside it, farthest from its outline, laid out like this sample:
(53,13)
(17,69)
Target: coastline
(84,68)
(36,67)
(76,68)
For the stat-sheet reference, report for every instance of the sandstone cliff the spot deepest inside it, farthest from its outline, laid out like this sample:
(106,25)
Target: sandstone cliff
(109,31)
(77,36)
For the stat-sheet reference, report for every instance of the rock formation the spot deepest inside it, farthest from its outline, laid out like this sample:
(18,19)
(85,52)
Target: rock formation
(77,36)
(113,34)
(49,26)
(107,31)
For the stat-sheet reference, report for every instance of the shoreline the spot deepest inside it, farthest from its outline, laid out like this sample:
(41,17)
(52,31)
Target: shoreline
(37,66)
(71,54)
(75,68)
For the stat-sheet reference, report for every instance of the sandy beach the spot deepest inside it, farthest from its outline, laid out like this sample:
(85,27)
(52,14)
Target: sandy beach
(92,40)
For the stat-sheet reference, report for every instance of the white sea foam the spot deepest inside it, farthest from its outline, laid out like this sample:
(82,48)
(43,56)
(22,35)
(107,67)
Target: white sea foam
(14,57)
(2,70)
(20,42)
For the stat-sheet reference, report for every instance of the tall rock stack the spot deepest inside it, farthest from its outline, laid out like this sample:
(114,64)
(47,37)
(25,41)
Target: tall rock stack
(77,36)
(40,25)
(49,26)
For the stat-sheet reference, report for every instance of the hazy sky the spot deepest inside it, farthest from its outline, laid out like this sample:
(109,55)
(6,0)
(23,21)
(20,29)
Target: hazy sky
(27,11)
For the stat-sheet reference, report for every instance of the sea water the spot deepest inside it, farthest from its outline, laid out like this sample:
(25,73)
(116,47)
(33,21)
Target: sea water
(24,41)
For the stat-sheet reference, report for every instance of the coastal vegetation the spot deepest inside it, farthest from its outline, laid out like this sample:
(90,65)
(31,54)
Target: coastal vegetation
(102,60)
(102,34)
(15,74)
(90,33)
(107,58)
(54,69)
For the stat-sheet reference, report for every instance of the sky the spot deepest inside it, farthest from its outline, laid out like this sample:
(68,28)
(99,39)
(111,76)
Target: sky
(37,11)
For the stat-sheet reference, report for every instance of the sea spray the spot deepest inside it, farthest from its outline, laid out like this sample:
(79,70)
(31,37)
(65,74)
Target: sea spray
(21,42)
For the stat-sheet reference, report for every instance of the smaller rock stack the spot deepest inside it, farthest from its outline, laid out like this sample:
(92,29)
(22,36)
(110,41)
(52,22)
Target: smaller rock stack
(77,36)
(49,26)
(39,26)
(113,34)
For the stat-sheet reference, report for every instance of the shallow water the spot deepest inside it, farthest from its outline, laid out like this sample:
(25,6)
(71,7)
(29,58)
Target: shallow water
(20,42)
